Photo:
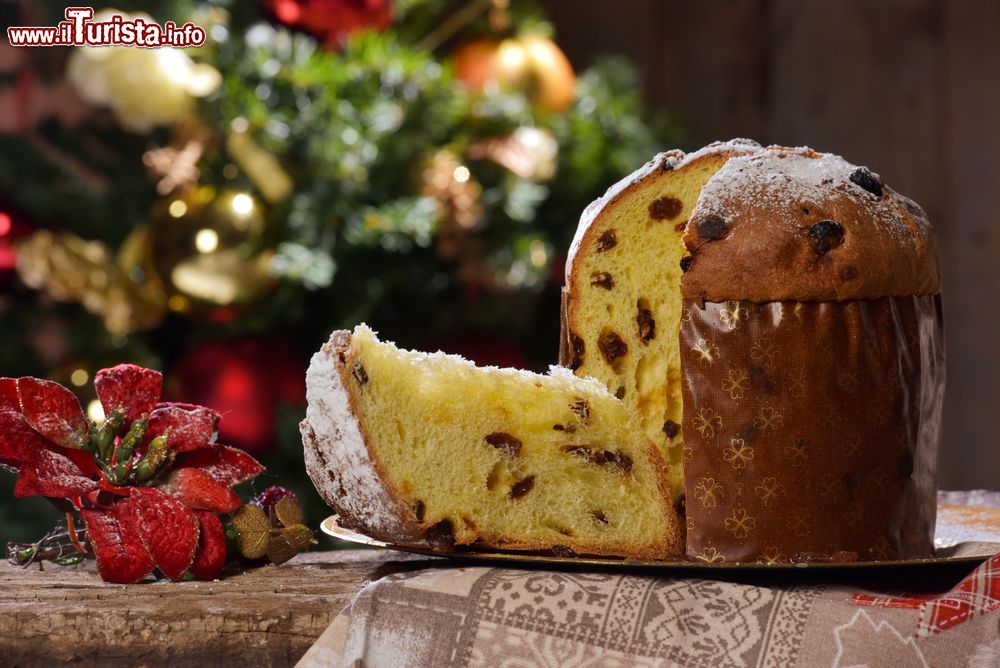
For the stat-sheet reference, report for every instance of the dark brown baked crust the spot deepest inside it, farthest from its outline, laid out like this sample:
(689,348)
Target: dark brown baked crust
(793,224)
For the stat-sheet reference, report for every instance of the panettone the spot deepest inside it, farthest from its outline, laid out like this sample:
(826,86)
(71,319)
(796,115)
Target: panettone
(805,317)
(429,450)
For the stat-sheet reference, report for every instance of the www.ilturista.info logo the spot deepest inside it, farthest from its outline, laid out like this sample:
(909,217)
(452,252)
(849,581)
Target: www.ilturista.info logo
(79,30)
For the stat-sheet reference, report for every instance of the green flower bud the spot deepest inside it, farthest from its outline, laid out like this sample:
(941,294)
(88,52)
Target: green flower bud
(157,456)
(127,446)
(102,440)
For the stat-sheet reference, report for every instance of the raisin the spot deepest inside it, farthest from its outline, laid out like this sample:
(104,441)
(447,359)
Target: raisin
(599,516)
(578,450)
(665,207)
(865,178)
(671,429)
(622,461)
(713,227)
(505,443)
(686,262)
(418,510)
(607,241)
(602,279)
(578,348)
(825,235)
(612,347)
(559,427)
(360,374)
(522,487)
(620,392)
(441,536)
(601,457)
(647,326)
(582,408)
(563,552)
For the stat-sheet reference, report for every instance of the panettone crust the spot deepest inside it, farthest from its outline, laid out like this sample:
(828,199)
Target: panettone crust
(792,224)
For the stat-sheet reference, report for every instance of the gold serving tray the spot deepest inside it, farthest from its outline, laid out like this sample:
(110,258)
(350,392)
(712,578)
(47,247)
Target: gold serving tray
(964,535)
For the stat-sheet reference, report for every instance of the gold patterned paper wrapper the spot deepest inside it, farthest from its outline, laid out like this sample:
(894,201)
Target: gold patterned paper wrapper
(811,429)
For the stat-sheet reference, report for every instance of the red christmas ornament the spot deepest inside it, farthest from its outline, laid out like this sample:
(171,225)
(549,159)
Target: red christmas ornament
(244,381)
(332,21)
(13,226)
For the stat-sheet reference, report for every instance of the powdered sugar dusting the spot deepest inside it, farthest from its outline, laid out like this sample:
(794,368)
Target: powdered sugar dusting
(333,444)
(558,378)
(783,181)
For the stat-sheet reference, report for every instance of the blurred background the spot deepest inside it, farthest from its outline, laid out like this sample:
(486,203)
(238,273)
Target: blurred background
(421,164)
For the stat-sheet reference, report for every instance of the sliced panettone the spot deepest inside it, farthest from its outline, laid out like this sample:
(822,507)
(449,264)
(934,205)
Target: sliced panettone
(622,300)
(428,449)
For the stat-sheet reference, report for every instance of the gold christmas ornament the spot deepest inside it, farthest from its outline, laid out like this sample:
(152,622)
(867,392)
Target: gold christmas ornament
(260,165)
(176,165)
(528,152)
(143,87)
(209,249)
(445,178)
(530,63)
(118,288)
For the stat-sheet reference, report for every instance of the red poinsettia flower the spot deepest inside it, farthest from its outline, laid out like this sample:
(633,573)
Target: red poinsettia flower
(332,21)
(148,482)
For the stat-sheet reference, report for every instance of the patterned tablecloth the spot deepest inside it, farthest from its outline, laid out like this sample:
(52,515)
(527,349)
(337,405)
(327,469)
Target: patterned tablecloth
(921,616)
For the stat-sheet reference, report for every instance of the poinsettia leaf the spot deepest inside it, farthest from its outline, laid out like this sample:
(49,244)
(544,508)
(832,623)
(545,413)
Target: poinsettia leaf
(132,389)
(223,464)
(121,556)
(17,439)
(211,554)
(190,427)
(8,395)
(253,531)
(167,527)
(53,411)
(84,460)
(49,472)
(197,489)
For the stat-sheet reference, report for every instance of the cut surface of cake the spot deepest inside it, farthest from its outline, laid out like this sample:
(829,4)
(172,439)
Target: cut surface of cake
(622,301)
(429,450)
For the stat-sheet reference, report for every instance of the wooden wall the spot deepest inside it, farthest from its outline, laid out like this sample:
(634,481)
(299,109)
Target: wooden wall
(910,88)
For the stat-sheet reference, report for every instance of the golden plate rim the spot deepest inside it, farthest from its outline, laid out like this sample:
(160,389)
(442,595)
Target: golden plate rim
(330,527)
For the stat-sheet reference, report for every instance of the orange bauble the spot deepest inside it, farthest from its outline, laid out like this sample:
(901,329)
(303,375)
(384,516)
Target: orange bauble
(530,63)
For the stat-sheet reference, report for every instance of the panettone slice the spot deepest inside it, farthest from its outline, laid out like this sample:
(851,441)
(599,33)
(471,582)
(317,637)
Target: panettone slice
(428,449)
(622,301)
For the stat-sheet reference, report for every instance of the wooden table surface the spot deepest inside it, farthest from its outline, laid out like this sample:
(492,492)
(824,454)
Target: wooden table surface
(267,616)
